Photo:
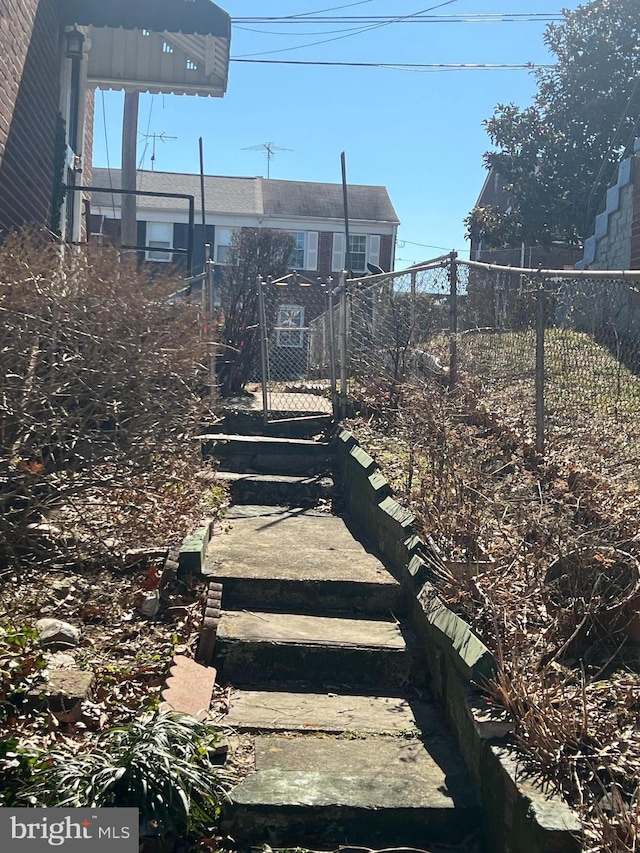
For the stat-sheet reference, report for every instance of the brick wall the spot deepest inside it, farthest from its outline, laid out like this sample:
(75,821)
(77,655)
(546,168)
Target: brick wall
(325,249)
(29,100)
(635,228)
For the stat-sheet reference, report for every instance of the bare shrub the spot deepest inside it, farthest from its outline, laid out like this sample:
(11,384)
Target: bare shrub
(100,394)
(540,557)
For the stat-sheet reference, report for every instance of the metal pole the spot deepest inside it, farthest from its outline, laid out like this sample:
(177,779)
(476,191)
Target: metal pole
(211,315)
(192,215)
(128,223)
(263,351)
(540,407)
(332,355)
(412,320)
(453,320)
(345,202)
(343,344)
(202,201)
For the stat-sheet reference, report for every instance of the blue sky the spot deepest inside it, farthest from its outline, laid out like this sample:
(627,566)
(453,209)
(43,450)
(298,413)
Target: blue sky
(419,133)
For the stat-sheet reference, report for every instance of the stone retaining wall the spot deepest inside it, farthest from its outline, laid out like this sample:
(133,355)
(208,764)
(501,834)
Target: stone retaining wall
(520,816)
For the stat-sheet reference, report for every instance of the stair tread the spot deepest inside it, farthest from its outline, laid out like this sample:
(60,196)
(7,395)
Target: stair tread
(292,546)
(255,440)
(328,712)
(295,629)
(371,773)
(235,476)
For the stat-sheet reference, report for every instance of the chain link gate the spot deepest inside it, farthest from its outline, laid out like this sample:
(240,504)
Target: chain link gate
(298,348)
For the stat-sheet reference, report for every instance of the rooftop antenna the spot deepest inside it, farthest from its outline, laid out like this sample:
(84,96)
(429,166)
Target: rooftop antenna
(156,137)
(270,150)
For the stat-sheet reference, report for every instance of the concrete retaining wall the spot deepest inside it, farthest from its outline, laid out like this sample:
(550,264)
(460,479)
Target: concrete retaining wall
(520,816)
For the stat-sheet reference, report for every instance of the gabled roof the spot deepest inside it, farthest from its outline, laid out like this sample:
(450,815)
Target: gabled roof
(222,194)
(325,201)
(254,196)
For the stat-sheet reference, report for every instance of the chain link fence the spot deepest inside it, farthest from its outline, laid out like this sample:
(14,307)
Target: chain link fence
(391,321)
(554,355)
(555,352)
(296,348)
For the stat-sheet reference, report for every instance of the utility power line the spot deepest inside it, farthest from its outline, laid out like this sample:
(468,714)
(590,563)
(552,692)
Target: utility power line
(402,66)
(462,18)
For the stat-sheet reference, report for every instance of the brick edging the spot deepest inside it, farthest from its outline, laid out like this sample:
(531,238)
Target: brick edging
(209,626)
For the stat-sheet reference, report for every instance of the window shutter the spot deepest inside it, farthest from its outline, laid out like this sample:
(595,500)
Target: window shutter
(374,249)
(141,236)
(312,250)
(337,256)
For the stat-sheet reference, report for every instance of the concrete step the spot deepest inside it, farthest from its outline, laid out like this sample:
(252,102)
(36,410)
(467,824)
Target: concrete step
(273,710)
(258,648)
(240,422)
(279,559)
(374,791)
(268,455)
(276,490)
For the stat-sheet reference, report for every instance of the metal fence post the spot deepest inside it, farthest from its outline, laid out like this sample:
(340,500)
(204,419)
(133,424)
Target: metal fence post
(343,344)
(332,352)
(264,358)
(453,320)
(412,319)
(211,315)
(540,407)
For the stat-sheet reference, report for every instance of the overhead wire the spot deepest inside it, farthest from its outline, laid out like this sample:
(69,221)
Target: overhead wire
(350,34)
(417,18)
(146,142)
(501,18)
(330,9)
(402,66)
(106,146)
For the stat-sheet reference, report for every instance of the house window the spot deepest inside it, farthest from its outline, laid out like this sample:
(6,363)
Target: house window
(290,326)
(297,258)
(223,237)
(159,236)
(358,252)
(364,249)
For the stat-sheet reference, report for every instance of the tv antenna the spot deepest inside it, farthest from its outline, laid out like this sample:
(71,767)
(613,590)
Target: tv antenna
(156,137)
(270,150)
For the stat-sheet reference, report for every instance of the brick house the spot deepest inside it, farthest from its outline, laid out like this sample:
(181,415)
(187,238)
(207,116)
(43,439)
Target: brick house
(54,53)
(495,195)
(311,211)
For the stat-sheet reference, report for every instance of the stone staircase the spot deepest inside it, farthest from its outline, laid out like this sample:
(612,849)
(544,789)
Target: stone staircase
(325,671)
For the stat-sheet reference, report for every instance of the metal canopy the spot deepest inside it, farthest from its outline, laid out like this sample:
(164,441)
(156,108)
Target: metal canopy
(176,16)
(168,46)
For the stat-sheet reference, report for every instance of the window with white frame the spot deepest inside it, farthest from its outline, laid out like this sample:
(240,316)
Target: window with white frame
(305,252)
(223,238)
(159,237)
(298,254)
(290,326)
(358,252)
(363,249)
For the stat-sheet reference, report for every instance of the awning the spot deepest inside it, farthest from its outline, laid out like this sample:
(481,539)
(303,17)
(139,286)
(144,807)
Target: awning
(169,46)
(200,17)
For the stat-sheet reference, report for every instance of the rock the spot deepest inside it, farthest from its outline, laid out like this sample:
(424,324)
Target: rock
(64,692)
(60,660)
(61,588)
(150,604)
(56,634)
